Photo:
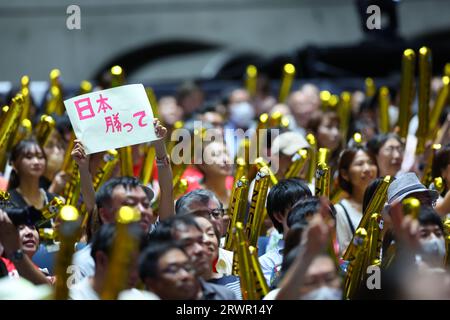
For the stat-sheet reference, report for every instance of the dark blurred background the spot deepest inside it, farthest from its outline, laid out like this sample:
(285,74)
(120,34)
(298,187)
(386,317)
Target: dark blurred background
(163,42)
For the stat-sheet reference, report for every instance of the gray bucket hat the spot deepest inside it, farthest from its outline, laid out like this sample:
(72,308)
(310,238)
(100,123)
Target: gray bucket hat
(405,185)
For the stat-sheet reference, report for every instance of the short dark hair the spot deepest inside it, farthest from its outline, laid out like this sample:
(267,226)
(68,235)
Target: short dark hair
(148,260)
(199,195)
(103,239)
(186,89)
(303,209)
(440,161)
(370,191)
(103,196)
(378,141)
(293,238)
(283,195)
(318,116)
(345,160)
(208,106)
(165,230)
(361,124)
(428,216)
(63,124)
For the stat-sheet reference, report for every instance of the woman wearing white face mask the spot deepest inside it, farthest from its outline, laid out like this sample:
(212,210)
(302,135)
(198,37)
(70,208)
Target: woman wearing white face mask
(431,238)
(242,114)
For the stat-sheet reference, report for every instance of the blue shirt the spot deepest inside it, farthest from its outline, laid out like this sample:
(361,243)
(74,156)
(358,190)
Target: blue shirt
(271,263)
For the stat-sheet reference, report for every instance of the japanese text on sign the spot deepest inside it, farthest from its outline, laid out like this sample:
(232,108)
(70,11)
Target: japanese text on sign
(112,118)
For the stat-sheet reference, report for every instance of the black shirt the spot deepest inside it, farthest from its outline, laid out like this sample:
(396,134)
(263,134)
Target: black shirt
(18,201)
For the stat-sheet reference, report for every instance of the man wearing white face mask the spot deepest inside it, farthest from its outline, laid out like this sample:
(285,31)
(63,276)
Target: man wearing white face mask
(241,115)
(431,233)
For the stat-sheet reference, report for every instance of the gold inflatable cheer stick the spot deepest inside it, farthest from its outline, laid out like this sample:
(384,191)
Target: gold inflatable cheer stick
(427,177)
(260,163)
(125,244)
(424,98)
(255,217)
(244,261)
(298,163)
(25,83)
(312,158)
(344,112)
(237,209)
(322,184)
(353,276)
(411,206)
(286,82)
(447,242)
(384,102)
(376,204)
(439,105)
(251,76)
(371,88)
(44,129)
(406,91)
(105,168)
(69,231)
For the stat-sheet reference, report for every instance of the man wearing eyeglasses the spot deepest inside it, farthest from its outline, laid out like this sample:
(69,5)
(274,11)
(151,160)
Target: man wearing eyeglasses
(188,235)
(204,203)
(166,271)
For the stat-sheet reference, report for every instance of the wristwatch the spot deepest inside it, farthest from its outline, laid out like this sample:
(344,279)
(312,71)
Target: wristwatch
(16,255)
(163,162)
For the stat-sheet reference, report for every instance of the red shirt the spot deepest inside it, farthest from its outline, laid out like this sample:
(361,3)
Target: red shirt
(10,267)
(13,273)
(194,176)
(3,184)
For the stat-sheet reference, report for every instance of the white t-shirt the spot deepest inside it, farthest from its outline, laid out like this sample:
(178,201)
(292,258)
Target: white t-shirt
(84,263)
(343,230)
(84,291)
(272,295)
(224,263)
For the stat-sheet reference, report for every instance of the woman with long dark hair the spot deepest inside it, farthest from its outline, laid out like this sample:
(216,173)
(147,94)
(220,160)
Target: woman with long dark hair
(357,168)
(29,162)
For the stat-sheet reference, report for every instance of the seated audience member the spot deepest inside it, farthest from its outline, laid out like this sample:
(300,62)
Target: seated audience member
(121,191)
(185,230)
(211,240)
(307,272)
(279,201)
(204,203)
(388,150)
(357,168)
(90,288)
(431,233)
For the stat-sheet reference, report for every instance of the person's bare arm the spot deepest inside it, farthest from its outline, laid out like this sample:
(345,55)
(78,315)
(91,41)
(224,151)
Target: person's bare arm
(166,201)
(58,183)
(86,184)
(443,205)
(9,237)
